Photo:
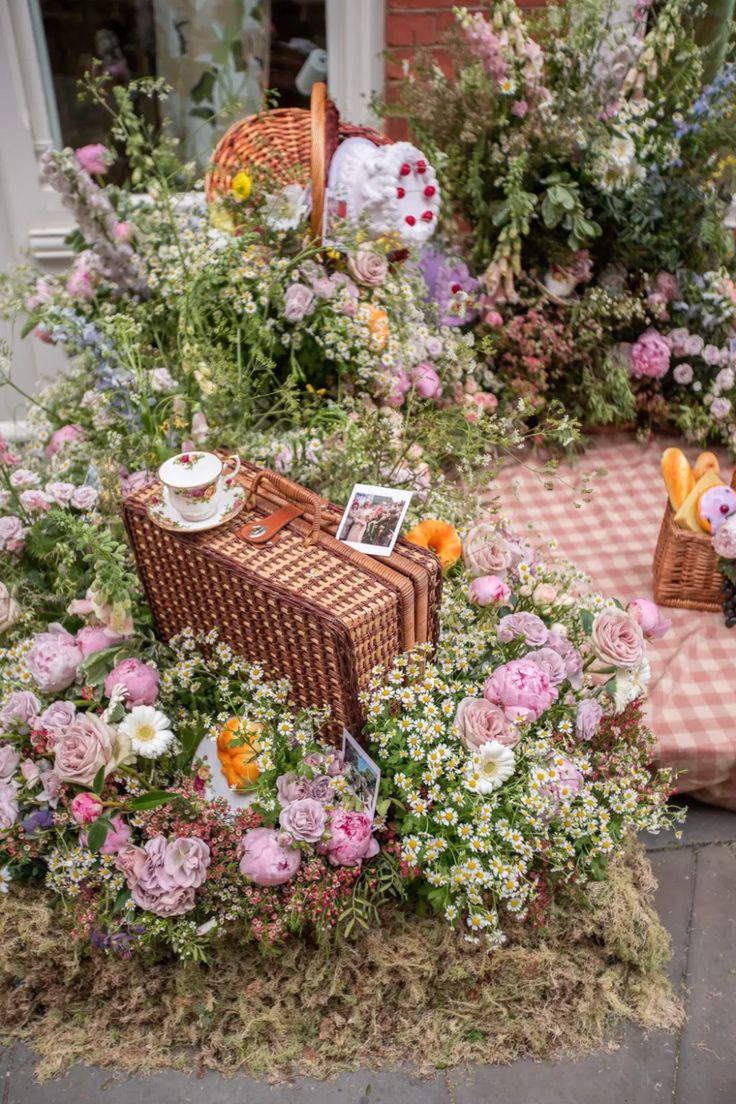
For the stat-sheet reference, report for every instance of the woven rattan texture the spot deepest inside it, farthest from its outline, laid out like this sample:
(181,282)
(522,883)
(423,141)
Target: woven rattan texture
(306,613)
(685,568)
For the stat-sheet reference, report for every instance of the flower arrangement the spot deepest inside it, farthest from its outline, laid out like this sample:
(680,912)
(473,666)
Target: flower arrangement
(517,757)
(582,167)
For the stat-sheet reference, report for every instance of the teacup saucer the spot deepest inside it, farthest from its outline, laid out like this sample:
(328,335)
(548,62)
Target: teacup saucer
(230,502)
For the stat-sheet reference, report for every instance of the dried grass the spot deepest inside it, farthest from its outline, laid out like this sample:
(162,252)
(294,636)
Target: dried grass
(409,990)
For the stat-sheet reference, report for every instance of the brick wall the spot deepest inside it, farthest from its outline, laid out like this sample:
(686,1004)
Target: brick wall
(421,23)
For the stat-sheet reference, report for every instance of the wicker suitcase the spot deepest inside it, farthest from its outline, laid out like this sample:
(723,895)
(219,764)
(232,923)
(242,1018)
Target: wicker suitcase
(686,571)
(305,605)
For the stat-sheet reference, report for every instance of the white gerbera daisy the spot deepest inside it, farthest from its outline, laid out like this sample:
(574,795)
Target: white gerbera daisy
(491,766)
(148,731)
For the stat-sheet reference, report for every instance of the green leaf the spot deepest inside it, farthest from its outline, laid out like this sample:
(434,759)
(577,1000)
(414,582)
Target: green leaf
(98,834)
(99,781)
(151,799)
(586,620)
(121,900)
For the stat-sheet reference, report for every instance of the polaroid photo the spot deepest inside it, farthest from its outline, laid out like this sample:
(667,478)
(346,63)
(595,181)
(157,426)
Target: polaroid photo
(361,772)
(373,518)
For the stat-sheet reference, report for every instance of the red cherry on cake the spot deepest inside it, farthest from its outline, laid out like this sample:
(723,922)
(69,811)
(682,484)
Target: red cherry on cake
(400,192)
(429,191)
(427,216)
(405,169)
(725,509)
(410,220)
(421,166)
(455,288)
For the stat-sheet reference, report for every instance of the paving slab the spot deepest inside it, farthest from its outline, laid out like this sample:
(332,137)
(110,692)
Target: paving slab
(641,1070)
(704,824)
(84,1085)
(707,1060)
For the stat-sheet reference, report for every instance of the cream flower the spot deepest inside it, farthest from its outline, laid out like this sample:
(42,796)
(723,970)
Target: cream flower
(286,209)
(491,766)
(630,685)
(148,731)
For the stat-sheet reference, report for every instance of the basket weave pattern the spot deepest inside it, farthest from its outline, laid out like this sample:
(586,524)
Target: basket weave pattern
(321,619)
(686,575)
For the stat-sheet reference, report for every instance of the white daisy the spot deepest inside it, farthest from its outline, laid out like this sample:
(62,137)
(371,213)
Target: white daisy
(5,879)
(148,731)
(491,766)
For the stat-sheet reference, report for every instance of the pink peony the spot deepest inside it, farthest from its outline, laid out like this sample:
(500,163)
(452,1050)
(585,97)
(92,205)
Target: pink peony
(618,639)
(522,689)
(264,861)
(351,838)
(19,710)
(87,745)
(117,838)
(140,681)
(649,618)
(649,357)
(478,722)
(61,437)
(95,638)
(304,819)
(489,590)
(12,534)
(53,659)
(426,382)
(85,808)
(93,158)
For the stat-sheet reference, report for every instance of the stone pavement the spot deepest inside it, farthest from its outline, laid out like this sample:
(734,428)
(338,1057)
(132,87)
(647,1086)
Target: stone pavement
(697,902)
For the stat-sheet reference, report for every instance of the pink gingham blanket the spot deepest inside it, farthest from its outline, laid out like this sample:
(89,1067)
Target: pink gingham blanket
(692,707)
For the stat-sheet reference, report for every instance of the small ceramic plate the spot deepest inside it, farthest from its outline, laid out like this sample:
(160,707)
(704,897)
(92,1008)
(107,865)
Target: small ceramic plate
(163,514)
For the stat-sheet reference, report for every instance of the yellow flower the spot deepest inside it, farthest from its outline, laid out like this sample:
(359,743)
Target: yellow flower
(221,220)
(242,185)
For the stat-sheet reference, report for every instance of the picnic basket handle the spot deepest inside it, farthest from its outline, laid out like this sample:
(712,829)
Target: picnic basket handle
(292,492)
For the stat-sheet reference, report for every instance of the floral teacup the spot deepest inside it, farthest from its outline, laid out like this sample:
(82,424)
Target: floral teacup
(194,480)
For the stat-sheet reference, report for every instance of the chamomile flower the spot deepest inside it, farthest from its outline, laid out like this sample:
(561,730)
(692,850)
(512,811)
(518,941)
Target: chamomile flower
(148,731)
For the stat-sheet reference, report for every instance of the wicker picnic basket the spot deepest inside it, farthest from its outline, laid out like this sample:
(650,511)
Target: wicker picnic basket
(302,603)
(685,568)
(290,144)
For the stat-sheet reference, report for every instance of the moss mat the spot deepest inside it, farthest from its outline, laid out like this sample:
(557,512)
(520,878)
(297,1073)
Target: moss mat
(410,988)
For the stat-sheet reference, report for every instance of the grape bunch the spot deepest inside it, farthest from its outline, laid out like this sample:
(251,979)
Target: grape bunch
(728,590)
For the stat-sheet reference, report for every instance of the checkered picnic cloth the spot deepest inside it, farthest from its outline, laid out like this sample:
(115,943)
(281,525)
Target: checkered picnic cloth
(692,707)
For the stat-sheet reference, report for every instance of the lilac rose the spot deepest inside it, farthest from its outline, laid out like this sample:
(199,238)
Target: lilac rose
(58,716)
(569,655)
(19,710)
(322,789)
(298,302)
(8,804)
(304,819)
(291,787)
(53,659)
(528,625)
(12,534)
(9,760)
(185,863)
(551,663)
(588,718)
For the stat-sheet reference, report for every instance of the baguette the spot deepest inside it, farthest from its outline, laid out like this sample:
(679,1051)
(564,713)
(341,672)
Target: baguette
(678,476)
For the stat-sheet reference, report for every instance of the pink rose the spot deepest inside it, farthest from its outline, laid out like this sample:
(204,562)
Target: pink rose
(649,618)
(95,638)
(489,590)
(485,552)
(35,501)
(87,745)
(53,659)
(522,689)
(368,266)
(544,594)
(588,718)
(351,838)
(264,861)
(9,760)
(618,639)
(58,716)
(84,498)
(8,804)
(60,493)
(61,437)
(85,808)
(426,382)
(19,710)
(12,534)
(140,681)
(528,625)
(304,819)
(298,302)
(43,333)
(649,357)
(93,158)
(479,722)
